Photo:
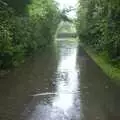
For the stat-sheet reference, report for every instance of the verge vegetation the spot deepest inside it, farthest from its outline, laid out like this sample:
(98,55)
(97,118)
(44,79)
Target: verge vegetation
(25,26)
(98,27)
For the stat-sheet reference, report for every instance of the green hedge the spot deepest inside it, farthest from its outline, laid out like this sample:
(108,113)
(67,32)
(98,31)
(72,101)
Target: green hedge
(23,34)
(98,25)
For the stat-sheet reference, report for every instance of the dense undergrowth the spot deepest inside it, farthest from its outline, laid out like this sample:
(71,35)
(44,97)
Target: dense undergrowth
(25,27)
(98,26)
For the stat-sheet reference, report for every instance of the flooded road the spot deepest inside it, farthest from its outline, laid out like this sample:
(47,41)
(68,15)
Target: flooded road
(63,83)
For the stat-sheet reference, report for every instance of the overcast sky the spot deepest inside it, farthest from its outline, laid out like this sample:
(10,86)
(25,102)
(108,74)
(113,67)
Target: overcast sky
(67,3)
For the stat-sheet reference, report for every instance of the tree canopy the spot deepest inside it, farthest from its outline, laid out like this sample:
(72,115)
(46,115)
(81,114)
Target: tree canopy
(25,26)
(98,25)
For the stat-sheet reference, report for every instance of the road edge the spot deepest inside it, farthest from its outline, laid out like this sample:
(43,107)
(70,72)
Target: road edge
(110,70)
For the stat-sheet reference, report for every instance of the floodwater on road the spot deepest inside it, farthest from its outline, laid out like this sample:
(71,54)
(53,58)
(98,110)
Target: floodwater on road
(62,83)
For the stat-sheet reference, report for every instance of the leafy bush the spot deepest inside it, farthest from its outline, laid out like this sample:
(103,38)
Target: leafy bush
(23,34)
(98,25)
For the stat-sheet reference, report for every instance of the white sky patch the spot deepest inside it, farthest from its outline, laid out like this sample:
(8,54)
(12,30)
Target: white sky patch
(66,4)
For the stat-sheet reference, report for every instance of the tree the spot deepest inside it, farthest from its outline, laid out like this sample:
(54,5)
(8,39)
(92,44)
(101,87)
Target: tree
(98,25)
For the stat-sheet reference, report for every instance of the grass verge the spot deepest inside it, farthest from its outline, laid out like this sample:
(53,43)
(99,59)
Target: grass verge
(101,59)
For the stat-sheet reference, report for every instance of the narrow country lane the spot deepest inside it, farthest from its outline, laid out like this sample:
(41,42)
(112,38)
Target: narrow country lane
(61,84)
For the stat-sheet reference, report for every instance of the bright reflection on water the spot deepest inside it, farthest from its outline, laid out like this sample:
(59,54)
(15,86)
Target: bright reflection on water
(67,81)
(64,102)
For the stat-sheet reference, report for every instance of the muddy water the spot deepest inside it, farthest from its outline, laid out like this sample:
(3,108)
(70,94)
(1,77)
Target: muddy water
(63,83)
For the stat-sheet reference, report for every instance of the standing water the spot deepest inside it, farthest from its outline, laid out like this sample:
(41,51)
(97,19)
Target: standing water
(62,103)
(61,84)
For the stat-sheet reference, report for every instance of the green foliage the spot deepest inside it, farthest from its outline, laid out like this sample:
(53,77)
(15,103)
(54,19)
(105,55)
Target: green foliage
(20,35)
(19,6)
(98,25)
(63,14)
(66,27)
